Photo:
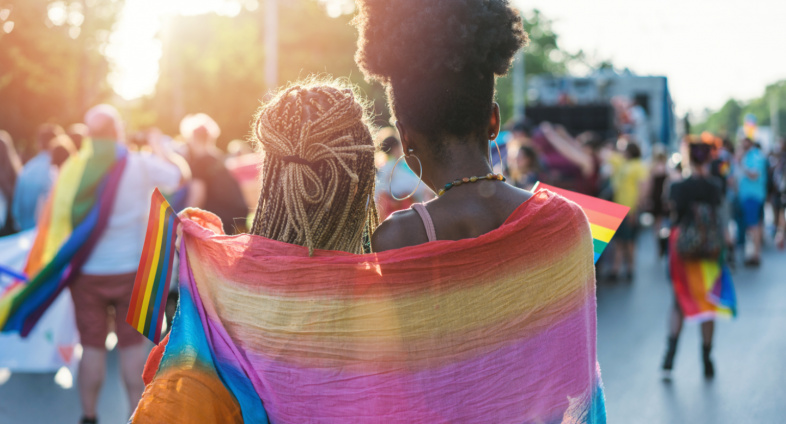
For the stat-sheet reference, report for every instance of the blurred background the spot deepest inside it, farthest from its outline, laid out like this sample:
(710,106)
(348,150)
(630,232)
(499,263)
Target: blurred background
(159,60)
(605,74)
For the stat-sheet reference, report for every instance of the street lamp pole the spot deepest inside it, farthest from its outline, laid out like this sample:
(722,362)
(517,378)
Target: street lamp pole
(271,44)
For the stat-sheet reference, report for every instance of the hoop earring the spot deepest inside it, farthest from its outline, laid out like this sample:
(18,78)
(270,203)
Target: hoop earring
(390,181)
(499,154)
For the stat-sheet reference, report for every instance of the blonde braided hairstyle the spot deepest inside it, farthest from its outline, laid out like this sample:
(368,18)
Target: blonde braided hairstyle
(318,168)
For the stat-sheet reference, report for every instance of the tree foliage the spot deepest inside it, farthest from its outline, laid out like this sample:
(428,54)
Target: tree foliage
(51,65)
(542,56)
(52,72)
(729,118)
(215,64)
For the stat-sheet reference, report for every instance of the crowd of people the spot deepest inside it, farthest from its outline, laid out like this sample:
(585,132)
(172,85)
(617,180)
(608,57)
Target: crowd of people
(615,170)
(739,179)
(295,336)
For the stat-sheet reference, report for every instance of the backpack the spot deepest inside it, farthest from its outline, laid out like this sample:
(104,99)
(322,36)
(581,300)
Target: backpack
(700,234)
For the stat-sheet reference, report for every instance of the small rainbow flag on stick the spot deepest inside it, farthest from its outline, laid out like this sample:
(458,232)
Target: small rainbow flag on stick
(605,217)
(146,311)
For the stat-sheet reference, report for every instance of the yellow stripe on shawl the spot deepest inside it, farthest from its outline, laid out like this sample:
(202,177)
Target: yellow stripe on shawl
(374,319)
(63,202)
(141,323)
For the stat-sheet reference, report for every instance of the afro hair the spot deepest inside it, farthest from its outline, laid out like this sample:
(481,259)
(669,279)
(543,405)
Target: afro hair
(438,58)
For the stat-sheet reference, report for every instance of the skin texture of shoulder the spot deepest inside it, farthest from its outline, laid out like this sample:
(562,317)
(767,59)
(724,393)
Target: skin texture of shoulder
(403,228)
(469,213)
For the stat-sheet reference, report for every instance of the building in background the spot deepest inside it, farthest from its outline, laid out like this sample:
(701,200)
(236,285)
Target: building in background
(587,103)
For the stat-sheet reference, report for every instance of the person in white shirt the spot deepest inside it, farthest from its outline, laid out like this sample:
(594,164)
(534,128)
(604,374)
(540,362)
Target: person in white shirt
(107,278)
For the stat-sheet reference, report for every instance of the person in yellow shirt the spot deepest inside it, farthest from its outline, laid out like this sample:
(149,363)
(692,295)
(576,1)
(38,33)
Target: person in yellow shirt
(628,180)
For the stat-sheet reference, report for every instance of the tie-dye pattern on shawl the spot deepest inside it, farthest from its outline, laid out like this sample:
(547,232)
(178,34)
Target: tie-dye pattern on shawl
(499,329)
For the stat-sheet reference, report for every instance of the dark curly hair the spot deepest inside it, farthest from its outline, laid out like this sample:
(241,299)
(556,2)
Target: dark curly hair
(438,59)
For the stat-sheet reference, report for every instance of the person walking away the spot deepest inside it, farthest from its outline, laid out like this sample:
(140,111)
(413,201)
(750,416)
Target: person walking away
(721,170)
(657,188)
(36,179)
(628,180)
(752,192)
(9,169)
(700,278)
(212,188)
(107,277)
(779,195)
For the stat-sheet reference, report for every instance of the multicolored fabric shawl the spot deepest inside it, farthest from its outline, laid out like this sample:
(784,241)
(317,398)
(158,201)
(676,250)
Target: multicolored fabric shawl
(498,329)
(704,289)
(72,222)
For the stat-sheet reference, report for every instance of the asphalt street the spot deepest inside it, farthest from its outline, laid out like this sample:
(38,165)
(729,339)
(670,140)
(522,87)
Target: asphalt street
(749,387)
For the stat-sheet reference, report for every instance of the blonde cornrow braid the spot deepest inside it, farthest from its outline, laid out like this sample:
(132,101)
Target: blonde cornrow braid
(326,202)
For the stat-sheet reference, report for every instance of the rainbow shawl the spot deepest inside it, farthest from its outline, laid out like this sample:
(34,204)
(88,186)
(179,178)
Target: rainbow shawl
(704,289)
(70,225)
(498,329)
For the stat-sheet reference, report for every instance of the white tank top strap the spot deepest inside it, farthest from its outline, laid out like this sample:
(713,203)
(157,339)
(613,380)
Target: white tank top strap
(427,222)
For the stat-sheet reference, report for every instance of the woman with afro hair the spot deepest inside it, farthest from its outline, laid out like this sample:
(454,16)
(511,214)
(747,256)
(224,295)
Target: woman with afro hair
(438,61)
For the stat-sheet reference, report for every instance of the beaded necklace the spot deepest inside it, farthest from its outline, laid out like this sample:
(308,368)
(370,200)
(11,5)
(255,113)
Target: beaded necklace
(457,183)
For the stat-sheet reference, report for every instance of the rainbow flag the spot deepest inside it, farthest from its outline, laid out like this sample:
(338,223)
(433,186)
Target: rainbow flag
(71,224)
(605,217)
(146,311)
(484,330)
(703,288)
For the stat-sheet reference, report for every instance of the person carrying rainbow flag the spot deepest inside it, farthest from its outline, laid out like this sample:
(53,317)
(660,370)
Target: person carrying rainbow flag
(89,240)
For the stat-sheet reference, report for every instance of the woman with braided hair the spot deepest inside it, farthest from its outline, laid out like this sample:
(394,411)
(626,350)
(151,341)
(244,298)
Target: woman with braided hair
(318,168)
(318,178)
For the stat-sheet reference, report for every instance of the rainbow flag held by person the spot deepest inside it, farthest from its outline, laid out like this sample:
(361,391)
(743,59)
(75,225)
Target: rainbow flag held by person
(500,328)
(71,224)
(605,217)
(146,311)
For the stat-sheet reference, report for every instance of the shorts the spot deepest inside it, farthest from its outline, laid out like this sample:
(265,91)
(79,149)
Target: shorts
(627,230)
(751,212)
(93,295)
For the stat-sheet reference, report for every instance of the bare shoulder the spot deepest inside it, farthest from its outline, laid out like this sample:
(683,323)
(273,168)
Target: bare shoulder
(401,229)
